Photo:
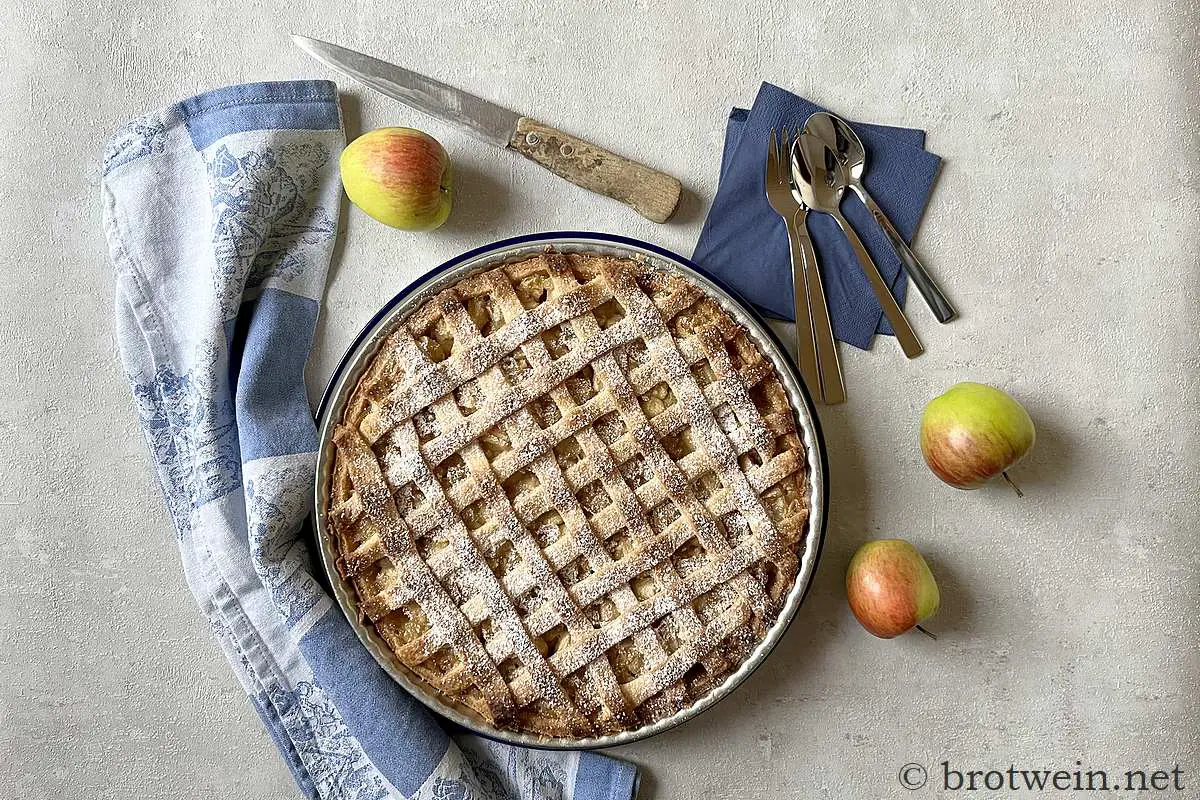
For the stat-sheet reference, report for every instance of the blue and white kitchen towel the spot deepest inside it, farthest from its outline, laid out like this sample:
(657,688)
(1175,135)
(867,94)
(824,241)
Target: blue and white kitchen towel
(221,213)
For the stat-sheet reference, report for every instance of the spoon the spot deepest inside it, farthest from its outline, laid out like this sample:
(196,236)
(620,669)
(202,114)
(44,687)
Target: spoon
(848,149)
(817,174)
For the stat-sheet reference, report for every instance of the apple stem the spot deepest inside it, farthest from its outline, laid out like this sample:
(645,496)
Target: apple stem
(927,633)
(1016,488)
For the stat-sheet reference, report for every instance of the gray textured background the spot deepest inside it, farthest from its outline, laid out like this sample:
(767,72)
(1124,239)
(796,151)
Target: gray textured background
(1065,226)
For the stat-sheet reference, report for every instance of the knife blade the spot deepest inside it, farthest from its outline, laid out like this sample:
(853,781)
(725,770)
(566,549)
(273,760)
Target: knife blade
(653,194)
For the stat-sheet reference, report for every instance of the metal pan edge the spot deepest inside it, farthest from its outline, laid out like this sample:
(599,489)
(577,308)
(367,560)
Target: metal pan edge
(348,371)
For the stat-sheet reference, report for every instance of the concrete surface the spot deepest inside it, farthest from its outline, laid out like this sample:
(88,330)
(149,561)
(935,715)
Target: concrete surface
(1065,226)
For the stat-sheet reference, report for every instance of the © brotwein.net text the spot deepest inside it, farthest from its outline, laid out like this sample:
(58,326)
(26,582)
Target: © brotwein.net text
(1078,778)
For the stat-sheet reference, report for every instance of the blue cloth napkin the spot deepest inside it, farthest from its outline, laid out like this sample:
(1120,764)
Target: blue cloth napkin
(744,241)
(221,214)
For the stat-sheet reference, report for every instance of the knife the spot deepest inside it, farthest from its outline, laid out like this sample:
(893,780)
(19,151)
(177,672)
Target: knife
(653,194)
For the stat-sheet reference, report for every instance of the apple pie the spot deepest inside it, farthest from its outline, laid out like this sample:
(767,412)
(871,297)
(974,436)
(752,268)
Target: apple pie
(570,494)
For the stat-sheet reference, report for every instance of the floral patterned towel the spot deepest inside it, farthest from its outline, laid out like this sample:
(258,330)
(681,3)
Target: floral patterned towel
(221,214)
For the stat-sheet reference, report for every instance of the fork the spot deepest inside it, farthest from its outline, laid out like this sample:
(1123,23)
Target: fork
(816,352)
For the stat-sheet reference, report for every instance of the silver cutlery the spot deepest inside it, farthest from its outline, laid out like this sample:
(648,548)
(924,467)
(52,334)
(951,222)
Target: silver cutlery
(816,351)
(653,194)
(816,172)
(848,149)
(828,363)
(779,195)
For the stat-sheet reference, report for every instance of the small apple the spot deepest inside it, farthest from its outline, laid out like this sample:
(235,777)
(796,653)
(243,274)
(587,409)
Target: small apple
(973,433)
(399,176)
(890,587)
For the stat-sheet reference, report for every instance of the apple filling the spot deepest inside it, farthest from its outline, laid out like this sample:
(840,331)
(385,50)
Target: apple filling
(568,452)
(692,320)
(553,640)
(548,528)
(452,471)
(610,427)
(684,324)
(546,411)
(535,289)
(782,501)
(584,385)
(504,560)
(707,485)
(379,575)
(726,418)
(437,342)
(749,460)
(626,661)
(426,424)
(620,546)
(636,472)
(520,483)
(484,313)
(515,367)
(662,515)
(408,497)
(689,557)
(602,612)
(637,353)
(465,399)
(474,516)
(703,373)
(644,587)
(427,546)
(444,660)
(610,314)
(680,444)
(576,571)
(407,623)
(494,441)
(594,498)
(558,340)
(736,527)
(657,400)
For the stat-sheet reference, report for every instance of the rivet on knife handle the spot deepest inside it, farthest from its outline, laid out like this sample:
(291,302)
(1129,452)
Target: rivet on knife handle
(653,194)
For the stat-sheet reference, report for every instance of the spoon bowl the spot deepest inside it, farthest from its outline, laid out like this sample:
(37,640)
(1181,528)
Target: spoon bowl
(814,172)
(843,141)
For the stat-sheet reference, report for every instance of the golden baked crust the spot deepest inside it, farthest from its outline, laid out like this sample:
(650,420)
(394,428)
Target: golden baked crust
(570,494)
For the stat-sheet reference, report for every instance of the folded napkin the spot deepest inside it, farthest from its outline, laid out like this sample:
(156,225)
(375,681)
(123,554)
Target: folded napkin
(744,241)
(221,214)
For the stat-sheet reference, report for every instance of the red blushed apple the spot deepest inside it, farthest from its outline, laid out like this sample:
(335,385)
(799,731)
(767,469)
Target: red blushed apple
(890,587)
(399,176)
(973,433)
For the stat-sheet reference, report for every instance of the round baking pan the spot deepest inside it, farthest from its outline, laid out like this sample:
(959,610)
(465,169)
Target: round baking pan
(358,356)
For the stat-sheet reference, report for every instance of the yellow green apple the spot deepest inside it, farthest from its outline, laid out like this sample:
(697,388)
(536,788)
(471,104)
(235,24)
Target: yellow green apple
(399,176)
(973,433)
(890,587)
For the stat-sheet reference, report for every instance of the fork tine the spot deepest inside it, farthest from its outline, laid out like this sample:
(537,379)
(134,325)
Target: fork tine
(772,172)
(787,160)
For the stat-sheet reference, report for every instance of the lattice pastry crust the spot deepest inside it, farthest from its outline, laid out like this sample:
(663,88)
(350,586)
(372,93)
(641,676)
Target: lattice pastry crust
(570,494)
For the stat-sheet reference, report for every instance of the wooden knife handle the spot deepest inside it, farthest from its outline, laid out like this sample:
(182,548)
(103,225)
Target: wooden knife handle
(651,193)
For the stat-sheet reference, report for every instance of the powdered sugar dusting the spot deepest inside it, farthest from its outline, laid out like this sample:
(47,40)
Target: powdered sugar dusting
(593,627)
